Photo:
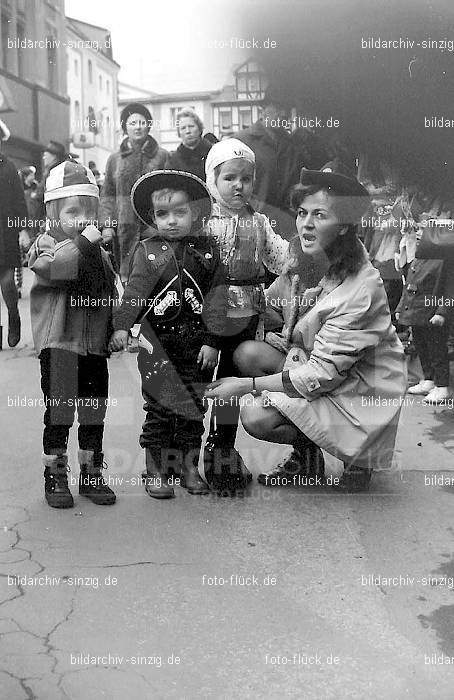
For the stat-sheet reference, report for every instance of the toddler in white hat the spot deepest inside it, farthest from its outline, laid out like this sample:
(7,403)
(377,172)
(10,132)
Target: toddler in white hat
(247,246)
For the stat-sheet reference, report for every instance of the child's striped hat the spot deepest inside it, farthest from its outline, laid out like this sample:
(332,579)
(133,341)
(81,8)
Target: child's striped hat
(70,179)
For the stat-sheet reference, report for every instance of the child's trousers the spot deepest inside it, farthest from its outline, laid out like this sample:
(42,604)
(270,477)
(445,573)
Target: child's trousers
(431,344)
(71,381)
(172,387)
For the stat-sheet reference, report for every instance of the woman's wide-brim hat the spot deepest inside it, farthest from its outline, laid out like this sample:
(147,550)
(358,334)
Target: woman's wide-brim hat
(169,179)
(335,176)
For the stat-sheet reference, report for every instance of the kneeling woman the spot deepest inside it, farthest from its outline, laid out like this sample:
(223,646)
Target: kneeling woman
(334,378)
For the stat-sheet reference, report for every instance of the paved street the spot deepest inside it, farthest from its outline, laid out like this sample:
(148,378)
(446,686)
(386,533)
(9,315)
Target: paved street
(279,594)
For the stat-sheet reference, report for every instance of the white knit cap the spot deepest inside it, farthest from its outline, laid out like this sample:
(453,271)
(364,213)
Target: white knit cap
(69,179)
(221,152)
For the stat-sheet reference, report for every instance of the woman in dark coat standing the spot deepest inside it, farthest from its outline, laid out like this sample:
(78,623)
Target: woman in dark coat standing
(139,153)
(192,152)
(13,211)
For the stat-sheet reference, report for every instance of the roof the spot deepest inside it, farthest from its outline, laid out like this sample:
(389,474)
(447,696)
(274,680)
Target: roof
(93,33)
(137,94)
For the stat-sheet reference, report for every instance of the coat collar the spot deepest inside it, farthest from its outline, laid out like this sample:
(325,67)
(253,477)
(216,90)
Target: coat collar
(199,151)
(148,148)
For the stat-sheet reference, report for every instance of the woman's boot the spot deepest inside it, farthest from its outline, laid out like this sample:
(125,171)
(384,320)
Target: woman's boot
(224,466)
(354,479)
(305,466)
(56,489)
(155,480)
(91,481)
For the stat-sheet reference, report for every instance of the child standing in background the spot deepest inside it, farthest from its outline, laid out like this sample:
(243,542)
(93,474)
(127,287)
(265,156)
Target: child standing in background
(247,245)
(426,305)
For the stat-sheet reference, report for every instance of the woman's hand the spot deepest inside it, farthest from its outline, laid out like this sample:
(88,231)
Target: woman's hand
(228,387)
(207,357)
(437,320)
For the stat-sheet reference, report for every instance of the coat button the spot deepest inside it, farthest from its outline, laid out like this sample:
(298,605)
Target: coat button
(295,358)
(208,256)
(152,256)
(406,308)
(164,247)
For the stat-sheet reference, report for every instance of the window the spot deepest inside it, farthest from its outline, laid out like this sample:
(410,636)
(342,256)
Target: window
(100,82)
(51,44)
(77,124)
(108,87)
(76,67)
(6,23)
(109,135)
(251,82)
(20,52)
(225,118)
(245,117)
(90,71)
(242,84)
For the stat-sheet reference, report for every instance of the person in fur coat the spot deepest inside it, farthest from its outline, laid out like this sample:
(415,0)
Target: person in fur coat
(139,153)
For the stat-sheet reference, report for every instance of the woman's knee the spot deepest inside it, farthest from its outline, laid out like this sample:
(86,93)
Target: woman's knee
(253,421)
(245,357)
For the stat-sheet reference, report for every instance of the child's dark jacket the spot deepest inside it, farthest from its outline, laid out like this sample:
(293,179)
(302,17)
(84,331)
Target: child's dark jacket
(168,287)
(429,290)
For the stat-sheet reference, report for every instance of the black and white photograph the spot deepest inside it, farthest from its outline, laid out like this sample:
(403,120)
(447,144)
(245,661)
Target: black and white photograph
(226,350)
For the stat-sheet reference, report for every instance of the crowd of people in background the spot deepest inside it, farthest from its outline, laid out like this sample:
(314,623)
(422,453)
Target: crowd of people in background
(250,187)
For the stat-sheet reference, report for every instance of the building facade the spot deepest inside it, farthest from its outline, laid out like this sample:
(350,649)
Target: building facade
(33,74)
(93,90)
(236,106)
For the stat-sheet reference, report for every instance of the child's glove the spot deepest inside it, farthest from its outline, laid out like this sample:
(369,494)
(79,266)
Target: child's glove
(118,341)
(437,320)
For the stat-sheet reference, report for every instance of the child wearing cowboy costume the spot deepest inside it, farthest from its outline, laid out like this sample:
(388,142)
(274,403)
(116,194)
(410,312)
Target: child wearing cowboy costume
(71,306)
(247,245)
(176,289)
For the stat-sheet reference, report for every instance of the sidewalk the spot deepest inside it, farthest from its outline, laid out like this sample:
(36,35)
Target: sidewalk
(279,594)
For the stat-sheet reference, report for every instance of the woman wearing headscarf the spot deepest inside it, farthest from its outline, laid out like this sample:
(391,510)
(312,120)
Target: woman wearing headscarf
(139,153)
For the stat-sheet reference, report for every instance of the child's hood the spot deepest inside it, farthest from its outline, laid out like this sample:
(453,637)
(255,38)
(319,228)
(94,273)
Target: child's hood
(221,152)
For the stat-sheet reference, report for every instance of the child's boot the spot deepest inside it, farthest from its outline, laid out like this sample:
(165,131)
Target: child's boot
(192,481)
(156,484)
(91,481)
(56,489)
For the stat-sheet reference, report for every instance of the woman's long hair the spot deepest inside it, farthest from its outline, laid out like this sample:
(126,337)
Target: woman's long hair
(346,255)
